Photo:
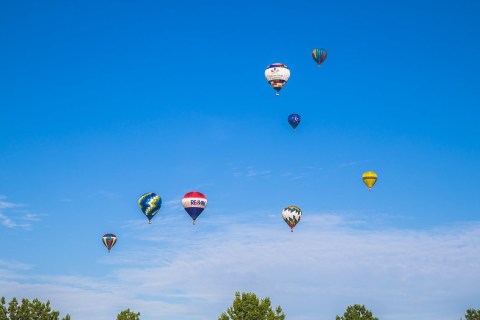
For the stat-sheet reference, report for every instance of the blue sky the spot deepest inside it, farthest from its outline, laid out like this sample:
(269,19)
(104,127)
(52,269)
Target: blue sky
(101,102)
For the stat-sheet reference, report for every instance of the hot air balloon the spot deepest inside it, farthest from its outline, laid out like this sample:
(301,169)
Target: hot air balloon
(319,55)
(294,120)
(150,203)
(292,216)
(277,75)
(109,240)
(369,178)
(194,203)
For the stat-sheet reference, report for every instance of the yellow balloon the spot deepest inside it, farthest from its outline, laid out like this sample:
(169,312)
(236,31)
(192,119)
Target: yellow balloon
(369,178)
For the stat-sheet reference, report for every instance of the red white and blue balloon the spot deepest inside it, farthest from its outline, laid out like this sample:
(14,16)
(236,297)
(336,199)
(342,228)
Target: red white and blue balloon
(194,203)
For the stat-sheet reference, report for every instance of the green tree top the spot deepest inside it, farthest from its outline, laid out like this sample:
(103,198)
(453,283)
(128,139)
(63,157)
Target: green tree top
(31,310)
(128,315)
(247,306)
(357,312)
(472,314)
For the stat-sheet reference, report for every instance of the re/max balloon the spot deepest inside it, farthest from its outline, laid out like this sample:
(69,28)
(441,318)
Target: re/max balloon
(292,216)
(319,55)
(294,120)
(369,178)
(277,75)
(109,240)
(150,203)
(194,203)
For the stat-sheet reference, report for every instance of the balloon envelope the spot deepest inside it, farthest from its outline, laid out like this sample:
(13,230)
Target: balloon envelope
(109,240)
(194,203)
(292,216)
(369,178)
(150,203)
(277,74)
(319,55)
(294,120)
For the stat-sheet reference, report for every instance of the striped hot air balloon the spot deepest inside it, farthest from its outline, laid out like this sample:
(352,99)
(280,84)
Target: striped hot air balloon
(109,240)
(319,55)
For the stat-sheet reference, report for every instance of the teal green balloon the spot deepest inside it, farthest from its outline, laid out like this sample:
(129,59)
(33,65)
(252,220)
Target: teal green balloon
(150,203)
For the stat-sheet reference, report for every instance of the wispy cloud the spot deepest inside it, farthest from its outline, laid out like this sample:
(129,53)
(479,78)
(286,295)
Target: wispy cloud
(14,215)
(250,172)
(14,265)
(6,221)
(203,185)
(192,272)
(8,205)
(301,173)
(173,204)
(105,194)
(294,176)
(32,217)
(365,164)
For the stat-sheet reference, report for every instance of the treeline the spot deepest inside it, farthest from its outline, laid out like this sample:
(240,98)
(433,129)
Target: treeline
(37,310)
(245,306)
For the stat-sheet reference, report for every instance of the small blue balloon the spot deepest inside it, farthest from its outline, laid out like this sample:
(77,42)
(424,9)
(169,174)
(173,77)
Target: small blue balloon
(294,120)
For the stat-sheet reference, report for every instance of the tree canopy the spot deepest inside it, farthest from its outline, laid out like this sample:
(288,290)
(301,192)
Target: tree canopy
(472,314)
(128,315)
(357,312)
(247,306)
(31,310)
